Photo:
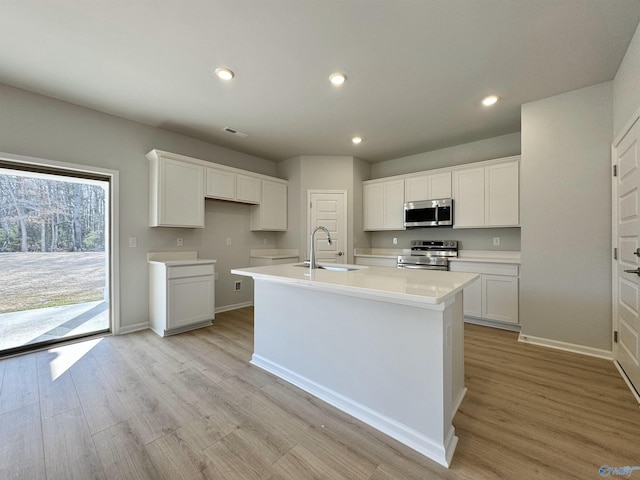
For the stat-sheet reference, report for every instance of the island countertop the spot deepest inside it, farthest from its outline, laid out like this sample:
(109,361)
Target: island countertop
(422,288)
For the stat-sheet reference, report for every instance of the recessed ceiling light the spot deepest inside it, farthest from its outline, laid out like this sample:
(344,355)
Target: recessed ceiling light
(356,140)
(224,73)
(337,78)
(490,100)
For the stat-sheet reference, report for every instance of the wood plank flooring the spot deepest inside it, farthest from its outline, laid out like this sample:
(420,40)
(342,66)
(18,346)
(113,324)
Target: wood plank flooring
(191,407)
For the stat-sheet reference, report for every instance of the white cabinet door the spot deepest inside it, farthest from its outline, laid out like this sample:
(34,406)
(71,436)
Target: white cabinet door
(221,184)
(500,298)
(248,189)
(502,195)
(384,205)
(472,299)
(468,195)
(191,300)
(373,196)
(176,193)
(439,185)
(427,187)
(416,189)
(394,205)
(271,214)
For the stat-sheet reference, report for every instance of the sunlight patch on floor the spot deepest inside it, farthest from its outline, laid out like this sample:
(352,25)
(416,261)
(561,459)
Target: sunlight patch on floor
(68,355)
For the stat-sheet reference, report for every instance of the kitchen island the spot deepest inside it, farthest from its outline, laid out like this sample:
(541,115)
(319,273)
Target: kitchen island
(383,345)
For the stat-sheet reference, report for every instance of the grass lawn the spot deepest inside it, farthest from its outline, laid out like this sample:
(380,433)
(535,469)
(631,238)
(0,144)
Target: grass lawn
(36,280)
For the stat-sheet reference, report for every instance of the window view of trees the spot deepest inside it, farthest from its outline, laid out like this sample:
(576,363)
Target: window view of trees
(41,214)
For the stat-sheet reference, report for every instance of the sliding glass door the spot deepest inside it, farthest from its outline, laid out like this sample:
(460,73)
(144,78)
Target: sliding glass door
(54,257)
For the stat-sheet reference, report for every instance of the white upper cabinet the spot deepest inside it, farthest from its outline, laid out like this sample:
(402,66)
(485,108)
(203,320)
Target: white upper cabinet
(176,192)
(488,195)
(468,203)
(248,189)
(502,196)
(427,187)
(383,205)
(271,214)
(220,184)
(228,185)
(180,184)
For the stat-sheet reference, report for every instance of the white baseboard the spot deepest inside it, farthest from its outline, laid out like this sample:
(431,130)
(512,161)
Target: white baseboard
(404,434)
(144,325)
(458,402)
(490,323)
(235,306)
(133,328)
(627,381)
(567,347)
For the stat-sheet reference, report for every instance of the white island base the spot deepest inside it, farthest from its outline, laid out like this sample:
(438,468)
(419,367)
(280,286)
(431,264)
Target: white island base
(397,367)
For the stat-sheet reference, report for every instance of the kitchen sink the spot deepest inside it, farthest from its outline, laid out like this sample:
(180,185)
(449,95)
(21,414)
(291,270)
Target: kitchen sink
(335,268)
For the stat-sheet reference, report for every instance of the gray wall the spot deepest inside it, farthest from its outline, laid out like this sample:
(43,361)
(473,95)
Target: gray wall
(472,238)
(319,172)
(565,207)
(39,126)
(626,86)
(496,147)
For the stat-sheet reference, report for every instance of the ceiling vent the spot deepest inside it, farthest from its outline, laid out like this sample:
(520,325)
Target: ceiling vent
(237,133)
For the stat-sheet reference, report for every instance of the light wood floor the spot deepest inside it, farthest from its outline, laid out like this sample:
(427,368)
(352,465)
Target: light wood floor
(191,406)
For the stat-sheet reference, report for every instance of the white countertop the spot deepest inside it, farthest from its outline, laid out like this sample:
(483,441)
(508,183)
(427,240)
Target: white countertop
(410,287)
(273,253)
(178,258)
(487,256)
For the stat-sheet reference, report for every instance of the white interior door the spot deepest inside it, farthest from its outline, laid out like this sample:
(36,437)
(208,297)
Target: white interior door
(328,209)
(626,317)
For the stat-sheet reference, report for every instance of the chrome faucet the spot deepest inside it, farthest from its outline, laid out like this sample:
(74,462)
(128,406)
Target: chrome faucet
(312,252)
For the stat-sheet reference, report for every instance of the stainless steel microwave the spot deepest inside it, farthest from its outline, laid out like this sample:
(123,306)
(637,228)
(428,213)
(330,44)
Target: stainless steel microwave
(429,213)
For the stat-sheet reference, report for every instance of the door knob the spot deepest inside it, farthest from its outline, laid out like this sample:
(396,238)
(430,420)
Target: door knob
(340,254)
(636,271)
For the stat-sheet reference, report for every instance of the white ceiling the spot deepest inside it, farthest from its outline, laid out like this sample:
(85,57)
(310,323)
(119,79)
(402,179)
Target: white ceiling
(416,70)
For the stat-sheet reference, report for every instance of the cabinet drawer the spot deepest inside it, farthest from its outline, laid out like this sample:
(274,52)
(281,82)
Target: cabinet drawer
(182,271)
(509,269)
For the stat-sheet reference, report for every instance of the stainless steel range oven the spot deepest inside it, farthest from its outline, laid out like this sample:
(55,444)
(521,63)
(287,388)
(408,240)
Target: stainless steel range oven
(429,254)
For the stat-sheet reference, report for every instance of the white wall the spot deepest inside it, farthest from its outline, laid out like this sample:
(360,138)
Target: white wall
(39,126)
(565,208)
(626,86)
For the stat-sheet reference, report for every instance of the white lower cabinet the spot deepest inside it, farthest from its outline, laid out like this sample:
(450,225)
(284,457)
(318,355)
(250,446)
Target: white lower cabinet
(181,297)
(500,298)
(494,295)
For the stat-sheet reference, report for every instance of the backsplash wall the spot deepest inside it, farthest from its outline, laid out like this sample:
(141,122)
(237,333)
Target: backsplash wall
(468,238)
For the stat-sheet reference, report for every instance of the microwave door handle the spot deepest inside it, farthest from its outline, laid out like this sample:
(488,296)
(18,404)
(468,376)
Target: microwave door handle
(437,215)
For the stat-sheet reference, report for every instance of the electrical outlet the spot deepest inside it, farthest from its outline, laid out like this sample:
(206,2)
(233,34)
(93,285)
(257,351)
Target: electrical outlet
(496,241)
(237,286)
(133,242)
(180,242)
(395,241)
(229,241)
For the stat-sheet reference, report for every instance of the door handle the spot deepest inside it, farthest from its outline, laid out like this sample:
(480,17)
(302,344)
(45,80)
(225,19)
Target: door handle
(340,254)
(637,252)
(636,271)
